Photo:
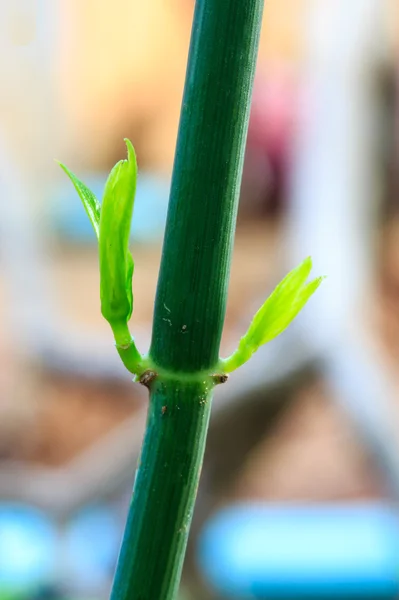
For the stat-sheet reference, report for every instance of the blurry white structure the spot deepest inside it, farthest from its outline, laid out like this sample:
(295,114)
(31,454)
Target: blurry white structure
(30,133)
(335,194)
(26,115)
(336,179)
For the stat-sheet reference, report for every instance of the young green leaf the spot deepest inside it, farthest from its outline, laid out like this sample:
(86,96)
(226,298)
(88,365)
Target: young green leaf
(116,262)
(279,310)
(111,222)
(89,201)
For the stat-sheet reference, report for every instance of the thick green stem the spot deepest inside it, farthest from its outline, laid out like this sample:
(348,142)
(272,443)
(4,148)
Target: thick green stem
(191,295)
(192,288)
(164,493)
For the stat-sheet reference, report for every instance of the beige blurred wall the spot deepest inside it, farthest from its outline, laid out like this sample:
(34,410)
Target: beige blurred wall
(123,68)
(123,65)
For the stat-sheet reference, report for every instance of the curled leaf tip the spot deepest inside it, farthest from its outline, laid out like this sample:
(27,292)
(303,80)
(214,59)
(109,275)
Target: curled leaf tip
(131,153)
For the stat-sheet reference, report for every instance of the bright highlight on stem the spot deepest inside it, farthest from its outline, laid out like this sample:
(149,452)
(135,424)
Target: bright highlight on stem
(111,221)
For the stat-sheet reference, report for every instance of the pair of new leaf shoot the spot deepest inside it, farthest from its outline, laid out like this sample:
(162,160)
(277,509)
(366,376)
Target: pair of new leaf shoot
(111,222)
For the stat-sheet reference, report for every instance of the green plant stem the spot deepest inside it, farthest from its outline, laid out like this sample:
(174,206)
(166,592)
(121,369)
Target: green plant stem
(191,295)
(192,288)
(235,360)
(126,347)
(164,493)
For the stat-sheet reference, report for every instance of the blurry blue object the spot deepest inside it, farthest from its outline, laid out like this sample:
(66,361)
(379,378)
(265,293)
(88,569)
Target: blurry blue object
(27,547)
(92,543)
(69,219)
(306,552)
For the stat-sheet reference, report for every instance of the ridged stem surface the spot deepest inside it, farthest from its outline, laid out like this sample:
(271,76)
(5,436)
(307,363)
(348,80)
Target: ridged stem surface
(167,478)
(192,287)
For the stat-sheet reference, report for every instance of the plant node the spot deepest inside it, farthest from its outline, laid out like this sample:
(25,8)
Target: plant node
(147,378)
(219,378)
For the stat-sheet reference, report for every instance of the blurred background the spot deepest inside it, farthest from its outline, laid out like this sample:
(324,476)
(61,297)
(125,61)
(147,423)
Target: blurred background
(300,487)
